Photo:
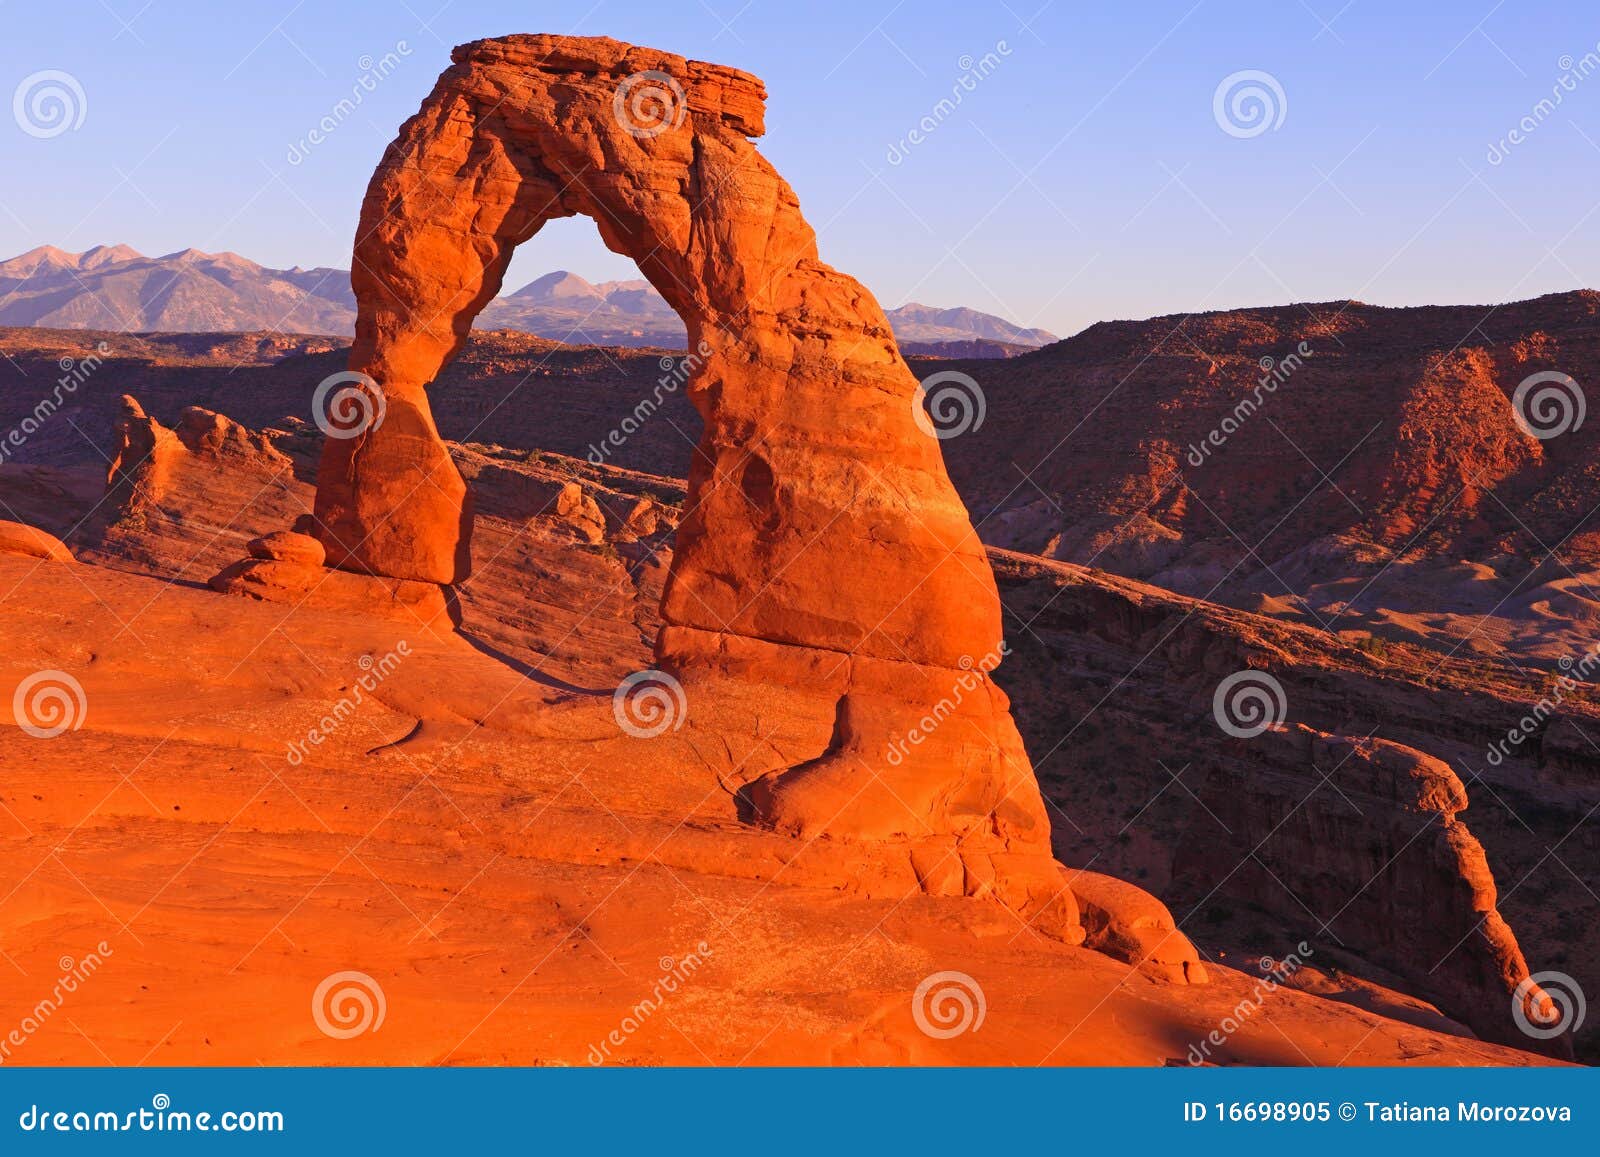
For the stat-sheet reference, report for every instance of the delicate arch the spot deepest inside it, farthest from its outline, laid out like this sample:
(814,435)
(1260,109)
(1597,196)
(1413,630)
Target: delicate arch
(824,570)
(811,458)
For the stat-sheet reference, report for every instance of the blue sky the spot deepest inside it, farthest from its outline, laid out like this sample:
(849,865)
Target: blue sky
(1085,177)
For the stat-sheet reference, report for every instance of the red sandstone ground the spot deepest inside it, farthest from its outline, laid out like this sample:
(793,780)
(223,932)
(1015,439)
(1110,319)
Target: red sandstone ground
(515,895)
(1087,713)
(209,847)
(433,858)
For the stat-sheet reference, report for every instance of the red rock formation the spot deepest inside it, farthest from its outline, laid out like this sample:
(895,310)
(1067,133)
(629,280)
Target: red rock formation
(158,475)
(812,468)
(142,459)
(1114,684)
(148,456)
(811,448)
(1207,463)
(19,538)
(284,578)
(288,546)
(1358,839)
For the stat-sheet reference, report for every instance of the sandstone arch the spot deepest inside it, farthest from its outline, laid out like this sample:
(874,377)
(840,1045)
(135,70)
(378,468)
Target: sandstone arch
(807,403)
(823,547)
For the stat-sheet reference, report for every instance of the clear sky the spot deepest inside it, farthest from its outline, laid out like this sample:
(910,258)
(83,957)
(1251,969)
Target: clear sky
(1086,176)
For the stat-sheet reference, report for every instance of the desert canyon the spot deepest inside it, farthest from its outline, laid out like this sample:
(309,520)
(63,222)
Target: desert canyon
(547,703)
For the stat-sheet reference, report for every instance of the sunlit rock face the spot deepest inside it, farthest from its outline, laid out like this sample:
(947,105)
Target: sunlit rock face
(825,568)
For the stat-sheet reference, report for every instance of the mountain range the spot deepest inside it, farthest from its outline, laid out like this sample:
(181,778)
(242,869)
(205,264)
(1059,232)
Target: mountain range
(113,287)
(116,288)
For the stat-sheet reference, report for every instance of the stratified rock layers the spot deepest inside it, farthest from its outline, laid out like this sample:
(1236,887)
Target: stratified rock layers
(1377,859)
(822,545)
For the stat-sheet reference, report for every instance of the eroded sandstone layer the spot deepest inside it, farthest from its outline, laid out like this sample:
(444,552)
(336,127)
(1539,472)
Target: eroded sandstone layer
(1426,907)
(507,913)
(823,555)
